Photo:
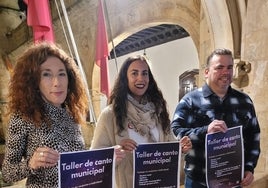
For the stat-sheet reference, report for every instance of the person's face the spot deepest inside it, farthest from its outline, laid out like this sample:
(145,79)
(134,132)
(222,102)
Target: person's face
(219,74)
(138,78)
(53,81)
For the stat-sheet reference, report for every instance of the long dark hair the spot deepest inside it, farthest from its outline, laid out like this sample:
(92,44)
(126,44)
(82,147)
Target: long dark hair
(120,90)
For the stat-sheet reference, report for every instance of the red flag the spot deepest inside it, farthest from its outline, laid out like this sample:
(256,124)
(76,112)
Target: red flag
(39,17)
(102,51)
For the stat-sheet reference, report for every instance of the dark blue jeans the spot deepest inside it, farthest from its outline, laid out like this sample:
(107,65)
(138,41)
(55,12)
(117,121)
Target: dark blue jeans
(189,183)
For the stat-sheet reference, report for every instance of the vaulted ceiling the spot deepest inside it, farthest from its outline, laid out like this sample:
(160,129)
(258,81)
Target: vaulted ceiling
(149,37)
(14,31)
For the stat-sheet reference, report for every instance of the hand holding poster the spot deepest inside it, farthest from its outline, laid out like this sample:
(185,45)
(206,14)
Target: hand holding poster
(157,165)
(94,169)
(225,158)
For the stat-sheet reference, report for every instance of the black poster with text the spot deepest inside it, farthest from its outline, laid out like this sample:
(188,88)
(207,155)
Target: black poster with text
(157,165)
(225,158)
(91,168)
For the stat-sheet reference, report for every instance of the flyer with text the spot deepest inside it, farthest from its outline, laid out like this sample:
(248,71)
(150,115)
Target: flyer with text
(91,168)
(157,165)
(225,158)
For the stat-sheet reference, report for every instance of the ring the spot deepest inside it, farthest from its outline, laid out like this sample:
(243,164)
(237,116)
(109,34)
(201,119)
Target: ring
(41,154)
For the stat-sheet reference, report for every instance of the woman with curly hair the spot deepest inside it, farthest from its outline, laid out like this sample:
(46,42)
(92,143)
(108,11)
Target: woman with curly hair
(136,113)
(47,103)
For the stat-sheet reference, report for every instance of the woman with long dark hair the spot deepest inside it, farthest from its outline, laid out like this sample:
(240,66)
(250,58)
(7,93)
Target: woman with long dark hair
(137,113)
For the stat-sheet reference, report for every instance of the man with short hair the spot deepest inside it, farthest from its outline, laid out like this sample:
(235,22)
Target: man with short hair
(212,108)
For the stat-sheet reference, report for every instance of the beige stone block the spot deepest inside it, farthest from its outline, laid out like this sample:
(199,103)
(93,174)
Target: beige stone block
(87,132)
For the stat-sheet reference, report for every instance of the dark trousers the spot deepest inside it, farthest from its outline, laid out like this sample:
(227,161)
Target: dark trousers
(189,183)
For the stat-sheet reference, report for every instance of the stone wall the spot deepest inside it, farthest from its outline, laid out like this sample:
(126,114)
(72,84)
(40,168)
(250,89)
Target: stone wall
(255,51)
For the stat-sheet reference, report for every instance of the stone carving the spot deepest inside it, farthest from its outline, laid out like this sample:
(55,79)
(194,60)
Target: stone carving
(241,70)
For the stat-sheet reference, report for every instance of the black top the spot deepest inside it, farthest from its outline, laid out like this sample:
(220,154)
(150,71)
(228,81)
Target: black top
(24,138)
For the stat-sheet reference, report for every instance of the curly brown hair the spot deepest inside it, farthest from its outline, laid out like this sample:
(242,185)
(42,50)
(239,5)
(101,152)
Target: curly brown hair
(120,90)
(24,96)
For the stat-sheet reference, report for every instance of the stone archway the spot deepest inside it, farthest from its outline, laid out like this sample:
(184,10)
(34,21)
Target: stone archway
(135,16)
